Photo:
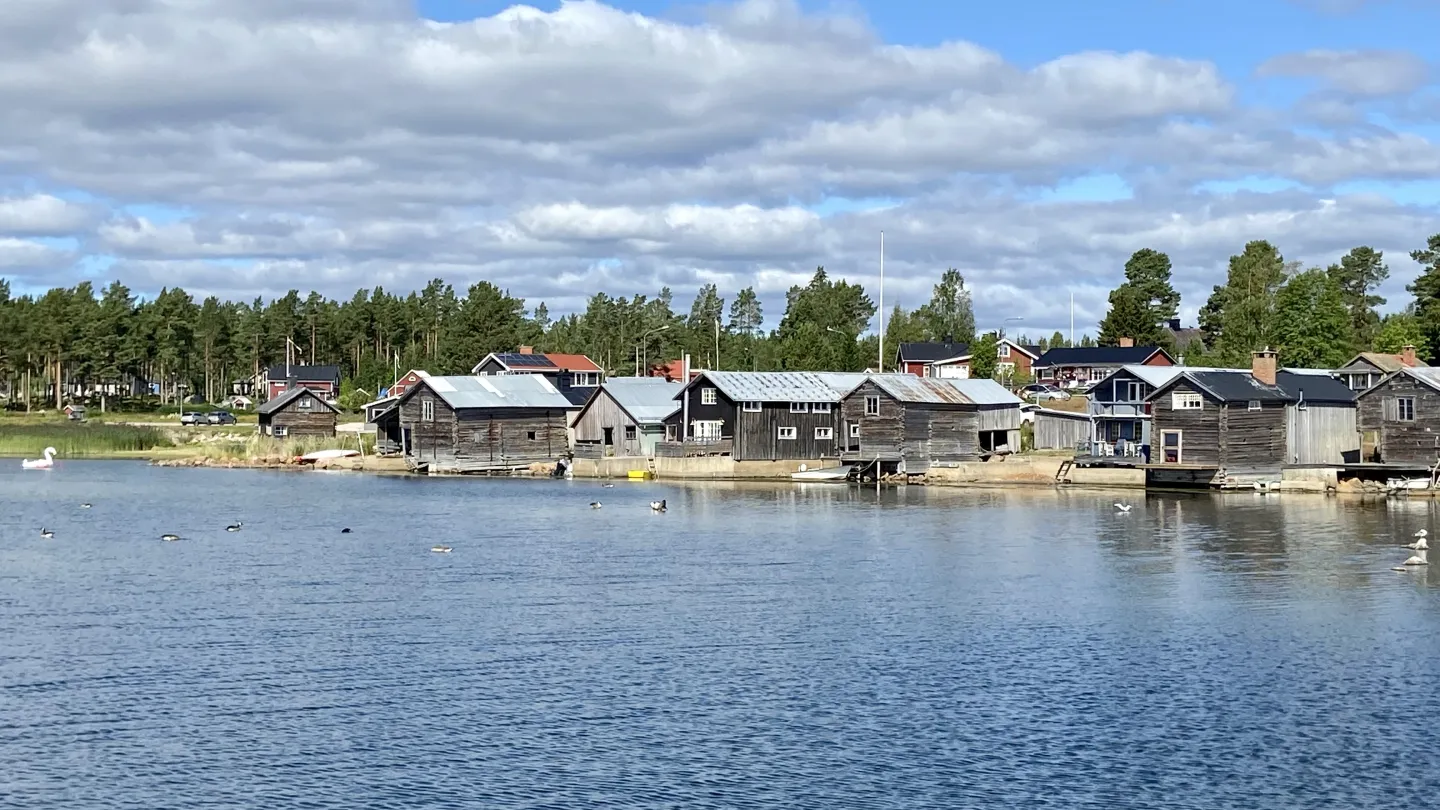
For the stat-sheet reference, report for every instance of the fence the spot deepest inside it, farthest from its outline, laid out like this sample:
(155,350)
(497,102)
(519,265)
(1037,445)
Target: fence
(719,447)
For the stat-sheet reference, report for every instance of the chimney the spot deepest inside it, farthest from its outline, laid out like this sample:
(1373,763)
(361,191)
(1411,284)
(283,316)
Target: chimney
(1262,366)
(1407,355)
(1175,324)
(1126,343)
(527,349)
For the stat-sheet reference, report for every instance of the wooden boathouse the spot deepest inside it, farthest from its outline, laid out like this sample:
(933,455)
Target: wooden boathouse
(482,424)
(761,415)
(923,421)
(297,411)
(1399,418)
(625,417)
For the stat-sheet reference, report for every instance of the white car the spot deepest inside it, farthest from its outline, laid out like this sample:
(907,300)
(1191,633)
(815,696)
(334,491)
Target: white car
(1041,392)
(1027,413)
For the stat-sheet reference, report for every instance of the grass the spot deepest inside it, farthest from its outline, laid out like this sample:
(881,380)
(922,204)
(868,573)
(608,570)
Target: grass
(72,439)
(223,447)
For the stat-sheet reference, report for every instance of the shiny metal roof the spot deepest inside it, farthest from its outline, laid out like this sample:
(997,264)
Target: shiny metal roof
(502,391)
(944,391)
(784,386)
(648,400)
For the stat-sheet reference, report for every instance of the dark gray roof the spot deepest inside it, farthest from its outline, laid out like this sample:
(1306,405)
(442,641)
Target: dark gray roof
(931,352)
(1239,385)
(1098,356)
(305,373)
(273,405)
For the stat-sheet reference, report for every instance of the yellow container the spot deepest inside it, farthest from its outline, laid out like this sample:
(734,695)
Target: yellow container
(639,475)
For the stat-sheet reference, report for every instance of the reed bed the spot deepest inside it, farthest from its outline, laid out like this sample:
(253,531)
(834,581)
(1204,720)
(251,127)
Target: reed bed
(72,440)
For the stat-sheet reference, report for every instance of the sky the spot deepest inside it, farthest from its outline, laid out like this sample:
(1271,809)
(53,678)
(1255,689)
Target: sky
(566,148)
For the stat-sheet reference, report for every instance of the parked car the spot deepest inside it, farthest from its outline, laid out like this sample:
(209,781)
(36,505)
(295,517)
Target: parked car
(1027,413)
(193,418)
(1041,392)
(221,418)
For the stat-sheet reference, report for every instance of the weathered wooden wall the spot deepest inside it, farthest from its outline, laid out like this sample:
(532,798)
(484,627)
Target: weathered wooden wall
(482,437)
(1320,434)
(319,420)
(1416,442)
(1200,439)
(1060,432)
(1252,440)
(880,436)
(998,417)
(952,432)
(757,434)
(604,412)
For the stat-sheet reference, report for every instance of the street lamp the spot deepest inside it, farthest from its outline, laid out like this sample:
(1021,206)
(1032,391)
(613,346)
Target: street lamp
(644,356)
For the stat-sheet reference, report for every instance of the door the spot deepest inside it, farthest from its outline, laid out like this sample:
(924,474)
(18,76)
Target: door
(609,440)
(1170,445)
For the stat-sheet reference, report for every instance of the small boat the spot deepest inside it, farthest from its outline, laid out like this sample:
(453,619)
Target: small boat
(321,455)
(827,474)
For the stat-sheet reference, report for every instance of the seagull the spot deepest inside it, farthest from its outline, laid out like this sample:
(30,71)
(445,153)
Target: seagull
(84,506)
(1123,507)
(169,538)
(345,530)
(594,504)
(46,533)
(657,506)
(235,527)
(441,549)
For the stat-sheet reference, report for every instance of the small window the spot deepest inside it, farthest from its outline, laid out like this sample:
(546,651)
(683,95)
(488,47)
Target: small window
(708,397)
(1134,392)
(671,432)
(1405,409)
(1253,405)
(1186,401)
(305,404)
(427,410)
(530,434)
(280,430)
(855,431)
(630,432)
(585,379)
(752,407)
(799,407)
(820,407)
(872,406)
(785,433)
(825,433)
(1004,349)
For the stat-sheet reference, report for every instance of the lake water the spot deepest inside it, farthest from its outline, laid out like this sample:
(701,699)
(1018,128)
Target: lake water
(754,647)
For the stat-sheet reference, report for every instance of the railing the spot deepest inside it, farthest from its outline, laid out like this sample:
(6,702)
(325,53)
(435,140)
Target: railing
(708,447)
(1119,449)
(1135,409)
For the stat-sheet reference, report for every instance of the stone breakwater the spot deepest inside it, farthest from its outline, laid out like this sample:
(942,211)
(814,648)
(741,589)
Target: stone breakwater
(274,462)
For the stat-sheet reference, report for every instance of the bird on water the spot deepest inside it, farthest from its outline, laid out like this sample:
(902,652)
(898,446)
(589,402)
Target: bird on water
(169,538)
(345,530)
(84,506)
(657,506)
(1123,507)
(594,504)
(234,527)
(441,549)
(46,533)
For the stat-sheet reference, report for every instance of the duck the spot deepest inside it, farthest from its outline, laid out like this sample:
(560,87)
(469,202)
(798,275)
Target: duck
(234,527)
(1123,507)
(46,533)
(657,506)
(607,486)
(84,506)
(345,530)
(595,504)
(169,538)
(441,549)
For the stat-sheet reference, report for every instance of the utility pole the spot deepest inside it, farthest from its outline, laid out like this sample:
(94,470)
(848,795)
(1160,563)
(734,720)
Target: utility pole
(880,365)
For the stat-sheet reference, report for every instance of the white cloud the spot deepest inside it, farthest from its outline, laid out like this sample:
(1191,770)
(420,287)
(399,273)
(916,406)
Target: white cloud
(589,149)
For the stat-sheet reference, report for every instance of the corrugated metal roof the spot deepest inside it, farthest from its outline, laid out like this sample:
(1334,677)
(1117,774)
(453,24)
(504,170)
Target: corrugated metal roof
(1426,374)
(503,391)
(784,386)
(648,400)
(943,391)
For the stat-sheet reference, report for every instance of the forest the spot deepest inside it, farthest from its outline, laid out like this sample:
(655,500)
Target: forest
(106,338)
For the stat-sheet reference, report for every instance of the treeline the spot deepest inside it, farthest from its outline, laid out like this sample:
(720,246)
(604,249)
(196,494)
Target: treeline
(1314,317)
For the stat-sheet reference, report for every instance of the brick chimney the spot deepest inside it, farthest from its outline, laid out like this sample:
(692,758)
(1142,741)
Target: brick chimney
(1126,343)
(1407,355)
(527,349)
(1262,366)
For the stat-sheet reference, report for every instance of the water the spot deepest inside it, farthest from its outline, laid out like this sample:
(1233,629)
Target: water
(817,647)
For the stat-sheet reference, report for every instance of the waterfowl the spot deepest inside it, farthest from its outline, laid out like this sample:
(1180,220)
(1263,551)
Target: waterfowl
(234,527)
(607,486)
(594,504)
(345,530)
(169,538)
(46,533)
(84,506)
(657,506)
(441,549)
(1123,507)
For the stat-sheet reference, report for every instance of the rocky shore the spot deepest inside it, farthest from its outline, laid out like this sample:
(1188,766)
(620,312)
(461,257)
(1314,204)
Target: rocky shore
(353,464)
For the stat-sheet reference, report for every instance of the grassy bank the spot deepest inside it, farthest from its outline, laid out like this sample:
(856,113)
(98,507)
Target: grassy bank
(259,447)
(78,440)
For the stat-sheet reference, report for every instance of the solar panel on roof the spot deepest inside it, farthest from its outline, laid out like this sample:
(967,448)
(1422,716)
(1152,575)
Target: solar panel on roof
(525,360)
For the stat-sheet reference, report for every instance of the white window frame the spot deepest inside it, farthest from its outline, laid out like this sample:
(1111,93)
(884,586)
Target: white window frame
(1004,350)
(705,435)
(279,431)
(799,407)
(585,379)
(1405,409)
(1253,405)
(1186,401)
(872,406)
(786,434)
(306,403)
(820,407)
(855,430)
(825,434)
(1134,392)
(709,396)
(427,410)
(751,406)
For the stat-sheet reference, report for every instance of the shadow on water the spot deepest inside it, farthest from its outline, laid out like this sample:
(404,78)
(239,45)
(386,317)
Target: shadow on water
(755,646)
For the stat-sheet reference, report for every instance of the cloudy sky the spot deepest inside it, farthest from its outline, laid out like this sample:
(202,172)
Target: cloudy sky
(245,147)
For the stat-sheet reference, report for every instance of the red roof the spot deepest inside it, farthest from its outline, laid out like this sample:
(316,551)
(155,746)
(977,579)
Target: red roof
(572,362)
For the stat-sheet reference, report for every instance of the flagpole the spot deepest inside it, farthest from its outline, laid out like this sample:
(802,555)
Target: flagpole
(880,365)
(1072,318)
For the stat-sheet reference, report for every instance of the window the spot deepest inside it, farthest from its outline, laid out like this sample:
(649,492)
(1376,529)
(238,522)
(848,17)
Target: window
(799,407)
(1405,409)
(1186,401)
(427,410)
(279,430)
(855,431)
(585,379)
(825,433)
(305,404)
(672,432)
(1047,373)
(629,433)
(530,434)
(928,370)
(785,433)
(706,430)
(752,407)
(820,407)
(1135,392)
(1252,405)
(707,396)
(872,406)
(1004,350)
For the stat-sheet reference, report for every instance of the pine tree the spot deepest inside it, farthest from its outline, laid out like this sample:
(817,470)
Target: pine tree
(1247,307)
(1130,316)
(1358,274)
(1148,273)
(1312,324)
(1426,289)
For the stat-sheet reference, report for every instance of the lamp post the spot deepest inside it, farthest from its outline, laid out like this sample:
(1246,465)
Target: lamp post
(644,357)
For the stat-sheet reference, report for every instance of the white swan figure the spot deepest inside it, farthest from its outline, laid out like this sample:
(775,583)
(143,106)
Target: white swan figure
(1123,507)
(1419,545)
(1418,559)
(40,463)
